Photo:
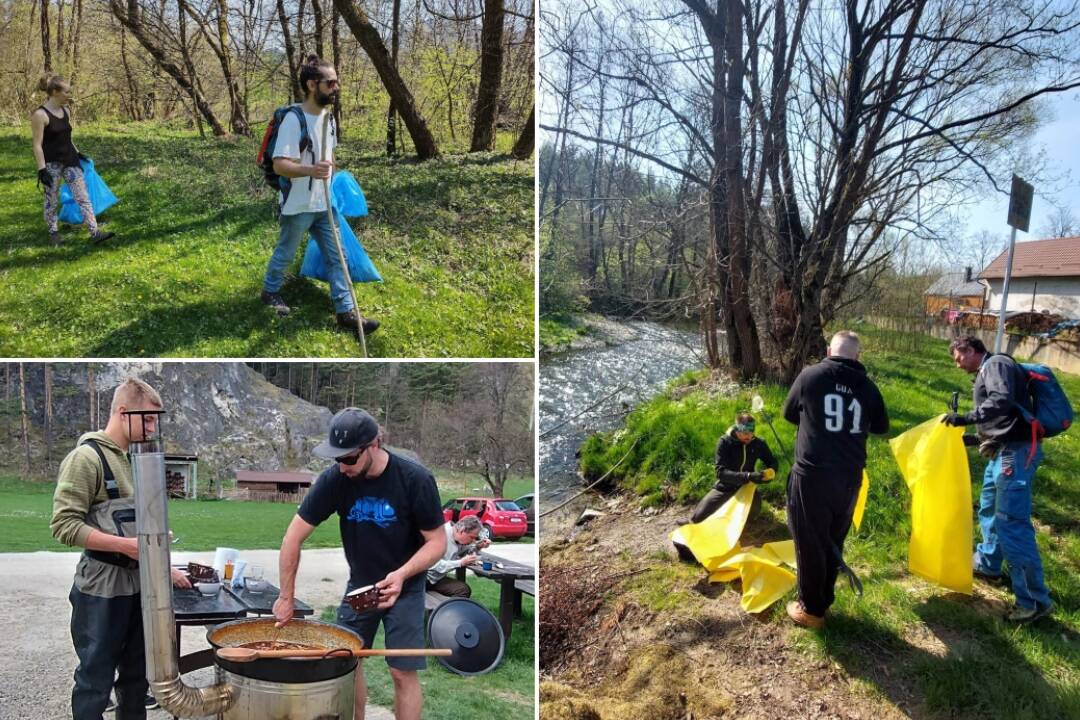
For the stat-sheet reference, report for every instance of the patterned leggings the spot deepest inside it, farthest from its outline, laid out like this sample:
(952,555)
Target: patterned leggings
(73,176)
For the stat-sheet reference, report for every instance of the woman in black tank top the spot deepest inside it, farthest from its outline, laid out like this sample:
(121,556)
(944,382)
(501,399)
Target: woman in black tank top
(57,158)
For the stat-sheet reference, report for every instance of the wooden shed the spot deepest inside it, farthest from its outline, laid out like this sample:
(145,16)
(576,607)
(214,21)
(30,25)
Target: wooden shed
(269,484)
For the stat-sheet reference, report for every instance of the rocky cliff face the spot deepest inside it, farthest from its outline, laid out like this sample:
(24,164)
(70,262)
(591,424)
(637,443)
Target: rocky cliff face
(226,413)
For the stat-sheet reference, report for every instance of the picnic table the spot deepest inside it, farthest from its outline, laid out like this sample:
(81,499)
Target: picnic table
(193,608)
(508,573)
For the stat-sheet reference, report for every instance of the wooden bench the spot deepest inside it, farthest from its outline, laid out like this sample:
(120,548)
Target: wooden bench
(522,587)
(433,600)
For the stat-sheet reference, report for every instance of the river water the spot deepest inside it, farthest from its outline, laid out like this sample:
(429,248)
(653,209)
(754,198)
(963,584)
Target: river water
(571,382)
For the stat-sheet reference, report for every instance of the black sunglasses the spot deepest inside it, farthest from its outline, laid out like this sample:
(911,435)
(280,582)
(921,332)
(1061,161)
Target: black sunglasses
(351,459)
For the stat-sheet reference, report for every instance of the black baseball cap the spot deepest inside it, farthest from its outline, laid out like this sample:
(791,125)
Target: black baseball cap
(350,430)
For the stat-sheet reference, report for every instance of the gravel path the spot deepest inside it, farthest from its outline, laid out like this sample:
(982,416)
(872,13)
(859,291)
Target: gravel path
(35,615)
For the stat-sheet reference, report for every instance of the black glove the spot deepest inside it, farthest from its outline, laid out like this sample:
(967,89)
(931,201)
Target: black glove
(44,177)
(970,440)
(956,419)
(755,477)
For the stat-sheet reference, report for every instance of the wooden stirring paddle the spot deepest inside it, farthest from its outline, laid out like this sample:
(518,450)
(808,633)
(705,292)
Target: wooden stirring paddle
(239,654)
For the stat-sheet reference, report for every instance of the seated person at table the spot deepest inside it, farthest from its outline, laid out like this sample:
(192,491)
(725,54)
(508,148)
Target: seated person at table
(463,539)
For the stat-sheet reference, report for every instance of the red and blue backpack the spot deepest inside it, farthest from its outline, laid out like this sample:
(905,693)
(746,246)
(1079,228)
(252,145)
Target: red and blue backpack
(265,159)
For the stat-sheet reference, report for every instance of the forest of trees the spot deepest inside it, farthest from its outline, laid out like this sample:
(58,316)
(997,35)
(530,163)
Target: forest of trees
(470,417)
(416,76)
(762,165)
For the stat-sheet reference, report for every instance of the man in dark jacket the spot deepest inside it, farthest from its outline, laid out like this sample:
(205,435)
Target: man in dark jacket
(1005,502)
(835,406)
(737,454)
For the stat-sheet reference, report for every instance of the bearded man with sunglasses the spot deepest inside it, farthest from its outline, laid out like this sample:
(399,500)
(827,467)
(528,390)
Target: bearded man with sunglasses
(303,205)
(391,530)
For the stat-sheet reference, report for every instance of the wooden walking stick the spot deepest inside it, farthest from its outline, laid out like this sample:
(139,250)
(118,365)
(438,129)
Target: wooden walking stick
(337,237)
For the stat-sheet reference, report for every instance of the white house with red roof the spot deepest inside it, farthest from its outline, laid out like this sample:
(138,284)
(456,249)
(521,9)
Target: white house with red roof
(1045,277)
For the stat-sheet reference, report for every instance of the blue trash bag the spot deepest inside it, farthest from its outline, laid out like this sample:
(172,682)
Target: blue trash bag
(347,195)
(348,199)
(101,197)
(361,269)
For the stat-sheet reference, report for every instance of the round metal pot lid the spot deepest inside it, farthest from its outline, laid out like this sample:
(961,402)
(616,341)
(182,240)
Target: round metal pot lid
(469,630)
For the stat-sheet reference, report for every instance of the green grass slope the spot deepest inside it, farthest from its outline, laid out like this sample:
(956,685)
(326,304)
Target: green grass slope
(951,652)
(452,238)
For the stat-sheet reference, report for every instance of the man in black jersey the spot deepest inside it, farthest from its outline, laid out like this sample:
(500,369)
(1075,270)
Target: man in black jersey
(835,406)
(391,525)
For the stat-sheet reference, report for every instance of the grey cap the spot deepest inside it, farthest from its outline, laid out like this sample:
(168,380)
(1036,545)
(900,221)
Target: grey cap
(350,430)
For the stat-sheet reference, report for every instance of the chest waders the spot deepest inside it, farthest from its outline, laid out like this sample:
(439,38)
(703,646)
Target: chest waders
(106,622)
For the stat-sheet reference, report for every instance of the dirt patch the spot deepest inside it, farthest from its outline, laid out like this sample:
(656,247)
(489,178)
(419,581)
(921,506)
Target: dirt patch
(649,636)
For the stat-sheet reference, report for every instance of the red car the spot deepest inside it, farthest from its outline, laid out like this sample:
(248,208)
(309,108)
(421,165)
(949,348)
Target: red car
(502,517)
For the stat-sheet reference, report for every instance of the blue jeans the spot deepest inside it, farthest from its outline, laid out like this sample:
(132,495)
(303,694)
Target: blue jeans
(293,228)
(1005,521)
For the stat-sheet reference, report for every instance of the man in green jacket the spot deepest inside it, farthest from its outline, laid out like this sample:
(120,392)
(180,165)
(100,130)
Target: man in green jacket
(94,508)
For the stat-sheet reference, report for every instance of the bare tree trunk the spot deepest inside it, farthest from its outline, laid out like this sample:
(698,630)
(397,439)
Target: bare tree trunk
(301,43)
(25,420)
(48,414)
(317,14)
(523,148)
(189,84)
(335,45)
(75,35)
(491,62)
(237,122)
(368,37)
(290,53)
(46,49)
(60,29)
(391,116)
(92,391)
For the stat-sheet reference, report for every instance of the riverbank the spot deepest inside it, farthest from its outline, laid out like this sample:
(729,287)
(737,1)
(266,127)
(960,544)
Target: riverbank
(568,332)
(648,636)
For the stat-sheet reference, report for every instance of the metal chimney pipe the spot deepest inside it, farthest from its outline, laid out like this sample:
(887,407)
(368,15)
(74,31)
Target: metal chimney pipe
(159,627)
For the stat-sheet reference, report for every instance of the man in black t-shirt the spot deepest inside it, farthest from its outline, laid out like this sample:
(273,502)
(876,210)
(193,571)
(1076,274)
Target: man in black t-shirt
(835,406)
(391,529)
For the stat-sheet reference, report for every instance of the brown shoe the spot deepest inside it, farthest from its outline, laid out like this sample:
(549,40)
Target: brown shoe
(798,614)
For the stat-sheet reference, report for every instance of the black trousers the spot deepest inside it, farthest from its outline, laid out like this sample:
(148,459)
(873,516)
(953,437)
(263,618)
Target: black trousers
(819,508)
(451,587)
(108,638)
(717,497)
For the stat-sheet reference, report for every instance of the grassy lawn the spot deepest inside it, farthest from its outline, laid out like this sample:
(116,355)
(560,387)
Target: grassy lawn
(506,692)
(905,638)
(25,509)
(452,239)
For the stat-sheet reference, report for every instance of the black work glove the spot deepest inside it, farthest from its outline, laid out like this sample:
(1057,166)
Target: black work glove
(956,420)
(755,477)
(970,440)
(44,177)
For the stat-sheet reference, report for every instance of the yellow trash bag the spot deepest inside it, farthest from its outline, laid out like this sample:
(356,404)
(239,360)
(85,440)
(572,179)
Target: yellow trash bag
(860,504)
(934,464)
(764,581)
(717,535)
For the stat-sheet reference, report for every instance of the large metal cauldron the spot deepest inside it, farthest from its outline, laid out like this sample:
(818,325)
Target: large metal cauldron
(288,688)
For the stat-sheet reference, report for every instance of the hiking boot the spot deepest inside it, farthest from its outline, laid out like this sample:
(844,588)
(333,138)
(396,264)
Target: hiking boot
(1023,616)
(275,301)
(55,239)
(151,702)
(798,614)
(348,319)
(100,237)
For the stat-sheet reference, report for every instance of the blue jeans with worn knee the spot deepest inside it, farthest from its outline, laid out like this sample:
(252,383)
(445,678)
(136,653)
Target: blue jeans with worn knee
(293,228)
(1005,521)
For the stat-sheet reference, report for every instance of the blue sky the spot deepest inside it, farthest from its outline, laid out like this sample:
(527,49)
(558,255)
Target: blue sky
(1060,141)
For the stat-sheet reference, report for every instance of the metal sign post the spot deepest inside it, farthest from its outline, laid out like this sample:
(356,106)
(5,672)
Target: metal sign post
(1019,216)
